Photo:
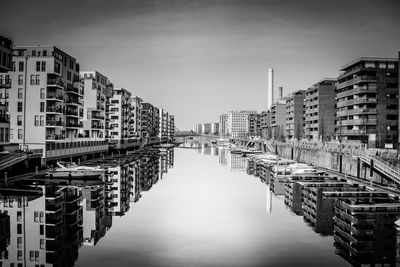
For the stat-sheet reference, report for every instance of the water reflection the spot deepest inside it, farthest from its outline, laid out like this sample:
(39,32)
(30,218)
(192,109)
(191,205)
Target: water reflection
(44,223)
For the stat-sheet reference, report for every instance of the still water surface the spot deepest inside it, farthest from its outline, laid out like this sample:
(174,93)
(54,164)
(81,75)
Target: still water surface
(203,213)
(183,208)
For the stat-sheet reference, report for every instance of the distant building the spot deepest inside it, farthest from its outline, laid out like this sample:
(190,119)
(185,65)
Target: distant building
(136,117)
(206,128)
(367,102)
(295,115)
(215,128)
(94,104)
(5,85)
(119,118)
(254,125)
(278,119)
(223,125)
(265,118)
(320,110)
(238,123)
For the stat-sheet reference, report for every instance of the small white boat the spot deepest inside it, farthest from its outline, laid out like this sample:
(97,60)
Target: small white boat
(223,142)
(71,170)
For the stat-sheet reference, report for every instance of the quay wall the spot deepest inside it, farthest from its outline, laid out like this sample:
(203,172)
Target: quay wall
(333,160)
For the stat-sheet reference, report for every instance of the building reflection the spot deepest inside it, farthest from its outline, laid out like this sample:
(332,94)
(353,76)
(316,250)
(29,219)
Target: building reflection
(44,223)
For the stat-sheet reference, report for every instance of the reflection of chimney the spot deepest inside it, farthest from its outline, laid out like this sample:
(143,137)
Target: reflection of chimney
(270,92)
(280,92)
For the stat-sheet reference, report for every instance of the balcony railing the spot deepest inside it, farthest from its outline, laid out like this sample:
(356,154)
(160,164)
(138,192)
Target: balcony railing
(74,90)
(71,124)
(72,112)
(364,78)
(55,137)
(357,122)
(55,81)
(354,101)
(55,123)
(55,109)
(356,111)
(54,96)
(74,101)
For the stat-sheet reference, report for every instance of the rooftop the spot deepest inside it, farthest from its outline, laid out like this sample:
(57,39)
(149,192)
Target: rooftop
(363,59)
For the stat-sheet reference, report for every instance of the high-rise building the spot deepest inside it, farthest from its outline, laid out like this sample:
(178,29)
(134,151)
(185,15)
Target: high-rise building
(136,117)
(215,128)
(119,111)
(238,123)
(223,125)
(254,125)
(367,102)
(5,85)
(320,110)
(278,119)
(295,115)
(94,104)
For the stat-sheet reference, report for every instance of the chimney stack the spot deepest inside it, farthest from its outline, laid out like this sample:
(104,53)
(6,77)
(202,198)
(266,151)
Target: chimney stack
(280,92)
(270,92)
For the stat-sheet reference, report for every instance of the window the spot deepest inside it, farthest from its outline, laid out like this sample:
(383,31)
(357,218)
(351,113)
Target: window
(31,255)
(390,66)
(19,228)
(41,106)
(34,53)
(20,134)
(41,120)
(382,65)
(45,53)
(19,216)
(41,229)
(41,217)
(388,127)
(36,120)
(57,68)
(19,242)
(42,93)
(37,65)
(19,120)
(19,93)
(41,242)
(38,79)
(32,80)
(21,66)
(36,255)
(20,79)
(69,76)
(19,107)
(19,255)
(43,66)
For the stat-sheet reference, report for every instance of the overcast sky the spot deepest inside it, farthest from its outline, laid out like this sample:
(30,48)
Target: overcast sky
(198,59)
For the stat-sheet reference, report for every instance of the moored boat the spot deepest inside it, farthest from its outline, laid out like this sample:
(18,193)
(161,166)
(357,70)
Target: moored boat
(73,171)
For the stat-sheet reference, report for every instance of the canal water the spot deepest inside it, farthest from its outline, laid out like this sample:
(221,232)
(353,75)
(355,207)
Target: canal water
(183,207)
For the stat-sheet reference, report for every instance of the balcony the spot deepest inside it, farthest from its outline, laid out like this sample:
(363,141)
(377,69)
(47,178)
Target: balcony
(54,97)
(356,80)
(97,117)
(355,101)
(74,90)
(73,113)
(59,110)
(55,137)
(97,126)
(55,82)
(357,122)
(55,124)
(73,101)
(5,83)
(71,124)
(353,132)
(359,111)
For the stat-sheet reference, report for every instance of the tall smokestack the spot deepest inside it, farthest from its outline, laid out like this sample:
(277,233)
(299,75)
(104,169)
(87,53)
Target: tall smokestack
(280,92)
(270,93)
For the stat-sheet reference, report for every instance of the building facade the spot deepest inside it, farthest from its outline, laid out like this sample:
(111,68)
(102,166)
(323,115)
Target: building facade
(295,115)
(119,118)
(367,102)
(238,123)
(254,125)
(223,125)
(320,110)
(278,119)
(136,117)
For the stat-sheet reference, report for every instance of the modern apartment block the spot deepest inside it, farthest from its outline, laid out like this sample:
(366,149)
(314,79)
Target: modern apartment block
(238,123)
(46,103)
(171,128)
(265,123)
(320,110)
(254,125)
(206,128)
(367,102)
(278,118)
(119,111)
(5,85)
(94,108)
(150,123)
(295,115)
(215,128)
(164,125)
(223,125)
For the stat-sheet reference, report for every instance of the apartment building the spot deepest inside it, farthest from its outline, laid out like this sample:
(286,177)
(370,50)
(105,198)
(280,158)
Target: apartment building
(320,110)
(238,123)
(278,119)
(94,107)
(254,125)
(295,115)
(147,121)
(119,112)
(5,85)
(206,128)
(215,128)
(367,102)
(265,124)
(136,117)
(164,125)
(46,103)
(171,128)
(223,125)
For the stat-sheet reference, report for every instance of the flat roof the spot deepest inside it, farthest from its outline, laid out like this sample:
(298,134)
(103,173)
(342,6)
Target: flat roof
(361,59)
(325,80)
